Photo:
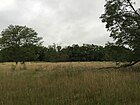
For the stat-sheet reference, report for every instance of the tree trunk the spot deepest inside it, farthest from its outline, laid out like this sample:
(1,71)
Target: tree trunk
(131,64)
(16,62)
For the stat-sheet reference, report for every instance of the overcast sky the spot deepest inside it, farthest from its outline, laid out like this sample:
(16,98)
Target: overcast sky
(64,22)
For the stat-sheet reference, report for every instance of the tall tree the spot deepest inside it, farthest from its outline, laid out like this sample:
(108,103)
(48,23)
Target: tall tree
(16,38)
(123,22)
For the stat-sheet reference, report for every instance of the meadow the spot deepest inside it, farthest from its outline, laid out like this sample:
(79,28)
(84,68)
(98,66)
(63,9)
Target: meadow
(71,83)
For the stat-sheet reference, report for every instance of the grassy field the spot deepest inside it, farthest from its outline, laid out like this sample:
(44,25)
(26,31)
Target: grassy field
(81,83)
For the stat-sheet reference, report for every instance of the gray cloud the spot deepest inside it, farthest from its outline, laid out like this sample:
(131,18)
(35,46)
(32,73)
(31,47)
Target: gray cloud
(58,21)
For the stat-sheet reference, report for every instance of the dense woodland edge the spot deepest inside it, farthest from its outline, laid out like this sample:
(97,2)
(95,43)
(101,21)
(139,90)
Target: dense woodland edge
(121,18)
(57,53)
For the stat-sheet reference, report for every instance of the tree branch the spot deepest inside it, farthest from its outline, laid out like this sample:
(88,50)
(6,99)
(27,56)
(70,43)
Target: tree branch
(130,4)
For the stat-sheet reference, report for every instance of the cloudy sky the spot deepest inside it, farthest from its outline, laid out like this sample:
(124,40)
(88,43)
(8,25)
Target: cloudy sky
(64,22)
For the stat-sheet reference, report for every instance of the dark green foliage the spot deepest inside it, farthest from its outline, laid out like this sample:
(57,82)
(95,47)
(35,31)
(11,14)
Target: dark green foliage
(123,21)
(55,53)
(19,43)
(86,52)
(20,54)
(117,53)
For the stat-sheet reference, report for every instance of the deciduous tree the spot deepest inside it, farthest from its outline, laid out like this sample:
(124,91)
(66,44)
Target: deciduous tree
(123,22)
(17,43)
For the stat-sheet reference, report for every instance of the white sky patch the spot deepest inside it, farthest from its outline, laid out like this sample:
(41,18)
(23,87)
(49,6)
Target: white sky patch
(58,21)
(4,4)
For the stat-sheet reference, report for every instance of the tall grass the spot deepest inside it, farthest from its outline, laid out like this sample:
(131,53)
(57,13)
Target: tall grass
(69,84)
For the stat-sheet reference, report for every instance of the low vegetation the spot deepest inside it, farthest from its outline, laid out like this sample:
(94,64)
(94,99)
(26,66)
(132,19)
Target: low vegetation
(79,83)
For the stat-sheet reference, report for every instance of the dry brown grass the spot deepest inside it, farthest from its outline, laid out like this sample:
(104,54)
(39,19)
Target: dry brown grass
(74,83)
(52,66)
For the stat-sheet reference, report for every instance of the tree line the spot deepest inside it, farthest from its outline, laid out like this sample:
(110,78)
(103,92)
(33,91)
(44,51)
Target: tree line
(20,43)
(56,53)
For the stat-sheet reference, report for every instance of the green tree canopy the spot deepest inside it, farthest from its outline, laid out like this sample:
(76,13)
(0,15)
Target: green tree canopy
(18,43)
(123,22)
(19,36)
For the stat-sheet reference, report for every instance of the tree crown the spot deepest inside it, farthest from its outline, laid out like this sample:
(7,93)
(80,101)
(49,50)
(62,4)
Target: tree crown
(19,36)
